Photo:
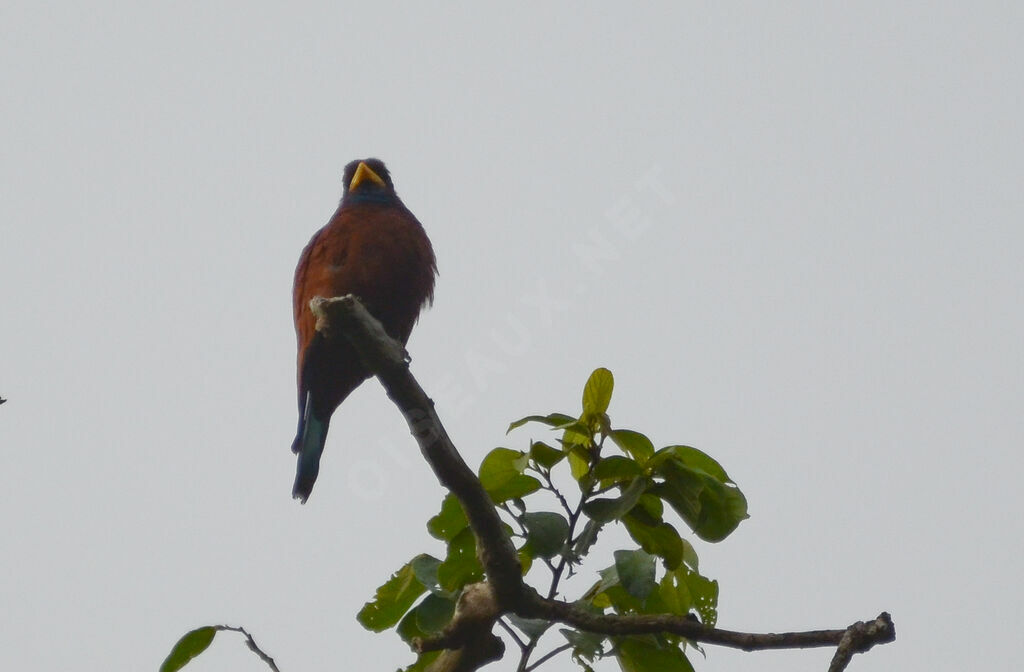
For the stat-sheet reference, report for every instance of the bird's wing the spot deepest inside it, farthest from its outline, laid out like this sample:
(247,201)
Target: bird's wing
(301,273)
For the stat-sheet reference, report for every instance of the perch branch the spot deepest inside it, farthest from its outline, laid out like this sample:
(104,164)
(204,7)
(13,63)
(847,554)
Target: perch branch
(389,362)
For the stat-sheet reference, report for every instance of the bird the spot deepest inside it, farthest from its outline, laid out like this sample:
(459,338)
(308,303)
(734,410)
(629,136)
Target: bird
(372,247)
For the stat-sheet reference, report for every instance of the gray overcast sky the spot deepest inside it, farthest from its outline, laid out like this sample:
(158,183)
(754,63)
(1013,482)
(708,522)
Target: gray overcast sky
(794,234)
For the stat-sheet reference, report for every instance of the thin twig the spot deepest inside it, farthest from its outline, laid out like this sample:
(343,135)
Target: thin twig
(524,658)
(512,633)
(508,509)
(556,575)
(549,485)
(547,656)
(251,643)
(573,519)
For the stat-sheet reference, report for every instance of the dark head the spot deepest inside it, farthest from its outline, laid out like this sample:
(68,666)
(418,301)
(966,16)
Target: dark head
(368,180)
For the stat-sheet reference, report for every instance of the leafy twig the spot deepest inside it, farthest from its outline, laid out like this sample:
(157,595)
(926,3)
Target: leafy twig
(386,359)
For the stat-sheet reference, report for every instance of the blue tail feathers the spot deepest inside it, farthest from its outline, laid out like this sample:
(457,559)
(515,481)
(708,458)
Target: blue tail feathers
(309,445)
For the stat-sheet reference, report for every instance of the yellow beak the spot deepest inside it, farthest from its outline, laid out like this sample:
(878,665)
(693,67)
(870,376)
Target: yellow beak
(364,172)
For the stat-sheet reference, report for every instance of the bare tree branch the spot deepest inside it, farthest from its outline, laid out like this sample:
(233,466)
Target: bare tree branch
(860,637)
(505,592)
(251,643)
(636,624)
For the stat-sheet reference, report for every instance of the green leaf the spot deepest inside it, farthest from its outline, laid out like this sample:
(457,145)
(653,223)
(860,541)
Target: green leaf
(723,508)
(696,460)
(633,443)
(525,559)
(450,521)
(605,509)
(654,604)
(617,468)
(586,644)
(609,592)
(424,568)
(409,628)
(690,556)
(686,504)
(609,577)
(551,420)
(660,539)
(190,645)
(621,600)
(531,627)
(636,572)
(579,462)
(461,566)
(544,455)
(501,474)
(705,596)
(597,393)
(712,508)
(645,654)
(433,613)
(586,538)
(576,433)
(674,593)
(651,506)
(393,599)
(547,532)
